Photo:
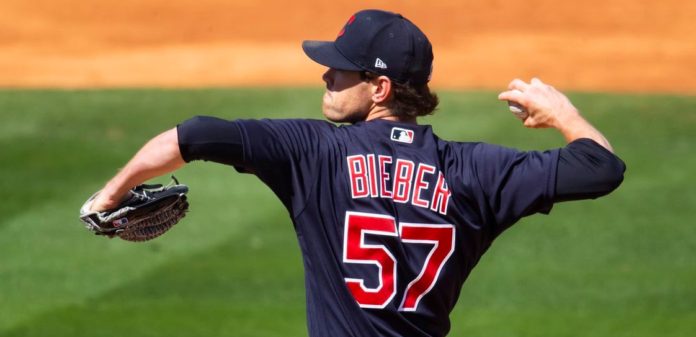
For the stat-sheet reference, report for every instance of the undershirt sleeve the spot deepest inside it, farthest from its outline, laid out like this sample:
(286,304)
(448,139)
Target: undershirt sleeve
(211,139)
(586,170)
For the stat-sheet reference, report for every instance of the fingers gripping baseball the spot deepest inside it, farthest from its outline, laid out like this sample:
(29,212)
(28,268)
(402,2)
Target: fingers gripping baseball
(542,105)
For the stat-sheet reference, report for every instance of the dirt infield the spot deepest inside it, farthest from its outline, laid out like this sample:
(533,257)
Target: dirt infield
(620,45)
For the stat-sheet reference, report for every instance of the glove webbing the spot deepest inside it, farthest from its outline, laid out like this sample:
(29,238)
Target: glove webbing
(154,226)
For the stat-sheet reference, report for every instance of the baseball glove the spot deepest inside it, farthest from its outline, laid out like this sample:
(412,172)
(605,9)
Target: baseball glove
(148,212)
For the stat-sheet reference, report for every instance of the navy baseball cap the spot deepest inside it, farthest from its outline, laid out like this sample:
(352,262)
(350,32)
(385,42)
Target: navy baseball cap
(380,42)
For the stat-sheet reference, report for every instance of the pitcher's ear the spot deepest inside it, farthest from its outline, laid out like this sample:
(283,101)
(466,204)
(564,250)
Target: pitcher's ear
(381,89)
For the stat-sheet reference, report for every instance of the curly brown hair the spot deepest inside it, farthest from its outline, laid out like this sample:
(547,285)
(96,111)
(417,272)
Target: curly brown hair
(408,100)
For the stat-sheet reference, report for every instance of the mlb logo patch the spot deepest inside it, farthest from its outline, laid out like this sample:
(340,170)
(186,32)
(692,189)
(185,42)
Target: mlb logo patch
(402,135)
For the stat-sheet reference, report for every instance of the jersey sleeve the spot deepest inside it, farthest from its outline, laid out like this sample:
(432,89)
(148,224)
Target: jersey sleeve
(514,183)
(284,154)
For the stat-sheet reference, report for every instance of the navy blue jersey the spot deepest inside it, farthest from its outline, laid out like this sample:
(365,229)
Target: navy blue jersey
(390,218)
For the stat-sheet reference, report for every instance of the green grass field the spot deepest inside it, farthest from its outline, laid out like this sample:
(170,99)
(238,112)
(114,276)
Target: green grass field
(620,266)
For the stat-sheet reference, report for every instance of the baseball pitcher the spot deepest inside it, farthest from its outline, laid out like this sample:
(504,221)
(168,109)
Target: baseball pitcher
(391,219)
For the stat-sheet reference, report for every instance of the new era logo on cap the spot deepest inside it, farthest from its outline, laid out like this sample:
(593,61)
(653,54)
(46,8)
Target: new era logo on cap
(402,135)
(380,64)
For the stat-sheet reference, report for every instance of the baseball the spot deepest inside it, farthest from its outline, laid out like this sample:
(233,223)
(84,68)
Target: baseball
(518,110)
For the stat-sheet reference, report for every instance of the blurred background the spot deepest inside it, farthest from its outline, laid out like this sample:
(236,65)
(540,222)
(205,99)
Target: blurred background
(83,84)
(619,45)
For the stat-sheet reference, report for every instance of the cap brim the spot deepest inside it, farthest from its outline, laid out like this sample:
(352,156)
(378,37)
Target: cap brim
(326,54)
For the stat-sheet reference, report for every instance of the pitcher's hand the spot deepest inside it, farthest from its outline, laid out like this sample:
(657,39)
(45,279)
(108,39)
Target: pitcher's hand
(546,106)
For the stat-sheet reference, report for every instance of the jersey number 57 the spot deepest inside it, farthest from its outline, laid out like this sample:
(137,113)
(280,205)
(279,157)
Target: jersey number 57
(355,250)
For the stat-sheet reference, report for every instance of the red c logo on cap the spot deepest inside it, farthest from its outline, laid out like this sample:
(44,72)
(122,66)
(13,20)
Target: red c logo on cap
(343,31)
